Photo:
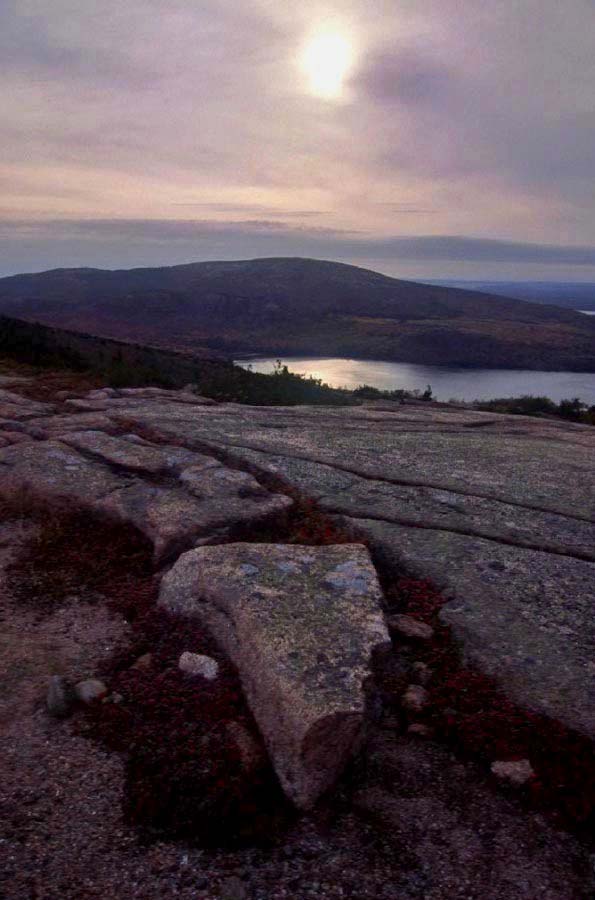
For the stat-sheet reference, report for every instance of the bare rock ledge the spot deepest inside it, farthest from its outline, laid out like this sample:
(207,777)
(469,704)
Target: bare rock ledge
(300,624)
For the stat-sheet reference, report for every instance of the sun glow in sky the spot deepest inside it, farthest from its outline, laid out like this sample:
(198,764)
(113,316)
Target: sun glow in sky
(376,132)
(326,60)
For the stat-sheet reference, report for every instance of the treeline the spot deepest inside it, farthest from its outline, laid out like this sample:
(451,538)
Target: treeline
(572,410)
(123,364)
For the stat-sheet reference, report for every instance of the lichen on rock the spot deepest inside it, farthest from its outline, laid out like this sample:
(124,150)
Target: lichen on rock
(300,624)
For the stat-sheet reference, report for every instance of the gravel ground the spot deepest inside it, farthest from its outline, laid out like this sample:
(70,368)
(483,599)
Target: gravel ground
(63,836)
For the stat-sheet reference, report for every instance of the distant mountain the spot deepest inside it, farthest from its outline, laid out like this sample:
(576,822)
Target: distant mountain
(568,294)
(302,306)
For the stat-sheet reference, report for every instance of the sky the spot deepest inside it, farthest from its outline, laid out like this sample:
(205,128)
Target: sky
(421,138)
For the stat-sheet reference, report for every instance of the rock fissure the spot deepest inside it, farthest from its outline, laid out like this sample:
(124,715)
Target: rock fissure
(519,607)
(399,482)
(470,532)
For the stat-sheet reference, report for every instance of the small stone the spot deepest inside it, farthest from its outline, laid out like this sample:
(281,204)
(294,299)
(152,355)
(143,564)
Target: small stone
(113,698)
(102,393)
(59,697)
(422,673)
(419,730)
(90,690)
(415,698)
(410,628)
(197,664)
(515,771)
(143,663)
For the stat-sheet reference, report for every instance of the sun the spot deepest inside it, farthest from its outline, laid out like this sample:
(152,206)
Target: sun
(326,60)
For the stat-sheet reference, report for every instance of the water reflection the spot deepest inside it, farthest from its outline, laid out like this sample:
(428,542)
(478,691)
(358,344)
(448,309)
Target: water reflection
(447,383)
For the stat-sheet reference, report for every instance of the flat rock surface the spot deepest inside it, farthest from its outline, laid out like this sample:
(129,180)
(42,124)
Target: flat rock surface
(499,510)
(173,495)
(300,624)
(518,574)
(524,617)
(141,457)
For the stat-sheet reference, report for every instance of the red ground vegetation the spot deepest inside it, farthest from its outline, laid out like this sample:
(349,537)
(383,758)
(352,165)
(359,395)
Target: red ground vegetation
(72,553)
(184,772)
(470,712)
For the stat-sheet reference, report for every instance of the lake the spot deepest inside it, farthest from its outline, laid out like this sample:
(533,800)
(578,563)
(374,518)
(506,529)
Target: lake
(447,383)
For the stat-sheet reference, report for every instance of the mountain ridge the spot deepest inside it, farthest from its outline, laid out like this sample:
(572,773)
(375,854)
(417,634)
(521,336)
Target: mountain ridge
(295,305)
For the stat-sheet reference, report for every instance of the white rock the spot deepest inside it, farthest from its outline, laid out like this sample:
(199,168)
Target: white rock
(516,771)
(197,664)
(89,690)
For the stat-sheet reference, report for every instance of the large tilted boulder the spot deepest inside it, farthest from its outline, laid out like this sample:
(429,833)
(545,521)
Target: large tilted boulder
(300,624)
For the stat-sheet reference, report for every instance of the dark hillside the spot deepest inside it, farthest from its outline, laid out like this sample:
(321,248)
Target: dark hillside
(304,306)
(127,364)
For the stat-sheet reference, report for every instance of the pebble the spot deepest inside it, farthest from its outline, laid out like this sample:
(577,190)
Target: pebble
(197,664)
(113,698)
(90,690)
(411,628)
(143,663)
(415,698)
(515,771)
(101,393)
(59,699)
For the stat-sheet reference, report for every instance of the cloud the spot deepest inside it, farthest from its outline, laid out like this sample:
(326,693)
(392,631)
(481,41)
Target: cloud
(461,118)
(263,237)
(253,209)
(398,75)
(507,96)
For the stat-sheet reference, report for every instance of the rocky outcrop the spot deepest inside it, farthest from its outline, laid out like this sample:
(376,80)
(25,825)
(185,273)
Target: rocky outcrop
(497,510)
(175,496)
(300,624)
(14,406)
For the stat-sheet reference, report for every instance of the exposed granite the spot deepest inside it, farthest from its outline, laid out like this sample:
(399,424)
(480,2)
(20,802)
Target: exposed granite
(300,624)
(498,510)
